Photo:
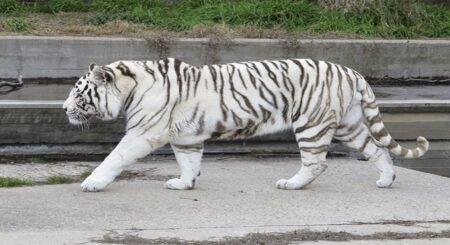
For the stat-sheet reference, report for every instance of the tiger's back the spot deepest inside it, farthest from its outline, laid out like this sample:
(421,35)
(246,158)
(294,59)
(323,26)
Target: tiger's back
(241,100)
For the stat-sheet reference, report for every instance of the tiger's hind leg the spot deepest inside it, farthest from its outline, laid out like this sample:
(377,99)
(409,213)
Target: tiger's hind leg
(355,134)
(189,159)
(313,143)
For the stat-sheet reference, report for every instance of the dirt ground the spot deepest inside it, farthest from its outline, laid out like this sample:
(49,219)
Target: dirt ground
(74,24)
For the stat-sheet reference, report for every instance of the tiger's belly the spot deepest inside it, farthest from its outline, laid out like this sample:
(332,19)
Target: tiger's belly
(248,128)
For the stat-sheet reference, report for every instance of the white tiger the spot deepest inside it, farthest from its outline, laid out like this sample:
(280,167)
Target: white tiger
(169,101)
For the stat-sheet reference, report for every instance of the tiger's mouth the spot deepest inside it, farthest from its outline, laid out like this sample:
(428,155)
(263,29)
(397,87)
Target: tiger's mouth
(78,118)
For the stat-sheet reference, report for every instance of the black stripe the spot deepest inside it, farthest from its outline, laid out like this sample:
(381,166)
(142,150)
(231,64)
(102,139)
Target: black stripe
(233,94)
(286,107)
(318,136)
(272,75)
(197,81)
(214,76)
(274,98)
(91,101)
(187,77)
(315,149)
(223,106)
(156,122)
(363,147)
(309,63)
(125,70)
(201,124)
(132,115)
(136,124)
(261,94)
(96,93)
(164,106)
(275,63)
(237,120)
(310,95)
(253,64)
(140,99)
(265,113)
(284,65)
(107,105)
(176,67)
(252,79)
(129,100)
(242,79)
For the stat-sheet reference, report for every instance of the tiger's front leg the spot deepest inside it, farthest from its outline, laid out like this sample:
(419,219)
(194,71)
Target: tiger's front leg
(189,158)
(128,151)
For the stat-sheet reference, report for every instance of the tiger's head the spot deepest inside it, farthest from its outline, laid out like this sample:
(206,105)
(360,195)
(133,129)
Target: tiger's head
(94,95)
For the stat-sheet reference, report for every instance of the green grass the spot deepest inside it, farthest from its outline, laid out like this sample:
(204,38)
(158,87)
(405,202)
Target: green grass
(55,6)
(52,180)
(14,182)
(85,174)
(124,175)
(381,18)
(16,24)
(36,159)
(56,180)
(10,6)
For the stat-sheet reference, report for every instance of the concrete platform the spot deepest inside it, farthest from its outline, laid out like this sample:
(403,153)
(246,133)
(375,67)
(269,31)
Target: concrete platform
(235,196)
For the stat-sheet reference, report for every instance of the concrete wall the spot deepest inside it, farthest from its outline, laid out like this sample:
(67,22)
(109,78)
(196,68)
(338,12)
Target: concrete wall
(58,57)
(29,121)
(45,123)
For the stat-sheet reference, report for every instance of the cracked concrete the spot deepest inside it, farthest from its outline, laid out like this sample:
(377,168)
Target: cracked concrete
(235,196)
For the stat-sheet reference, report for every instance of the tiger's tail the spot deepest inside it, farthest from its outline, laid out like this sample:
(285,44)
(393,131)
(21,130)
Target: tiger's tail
(379,131)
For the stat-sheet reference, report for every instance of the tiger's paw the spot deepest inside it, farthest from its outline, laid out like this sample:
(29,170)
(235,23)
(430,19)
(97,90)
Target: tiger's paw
(285,184)
(92,184)
(384,183)
(178,184)
(386,180)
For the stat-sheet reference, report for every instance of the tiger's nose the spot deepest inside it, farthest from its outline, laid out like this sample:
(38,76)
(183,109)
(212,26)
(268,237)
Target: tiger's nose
(65,105)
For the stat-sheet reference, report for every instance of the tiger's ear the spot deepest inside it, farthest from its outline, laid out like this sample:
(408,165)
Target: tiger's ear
(91,67)
(102,74)
(109,76)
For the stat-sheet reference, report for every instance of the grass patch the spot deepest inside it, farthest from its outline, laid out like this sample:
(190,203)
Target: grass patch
(56,180)
(278,238)
(56,6)
(123,175)
(14,182)
(10,6)
(64,179)
(16,24)
(85,174)
(52,180)
(36,159)
(377,18)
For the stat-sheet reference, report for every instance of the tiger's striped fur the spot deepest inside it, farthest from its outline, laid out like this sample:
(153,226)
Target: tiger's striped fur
(169,101)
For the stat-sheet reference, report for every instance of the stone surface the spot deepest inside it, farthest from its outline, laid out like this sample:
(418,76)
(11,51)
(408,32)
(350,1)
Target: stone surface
(235,196)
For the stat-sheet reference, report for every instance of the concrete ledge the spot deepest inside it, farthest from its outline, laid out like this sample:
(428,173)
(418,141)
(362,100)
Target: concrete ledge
(37,122)
(415,105)
(436,160)
(70,56)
